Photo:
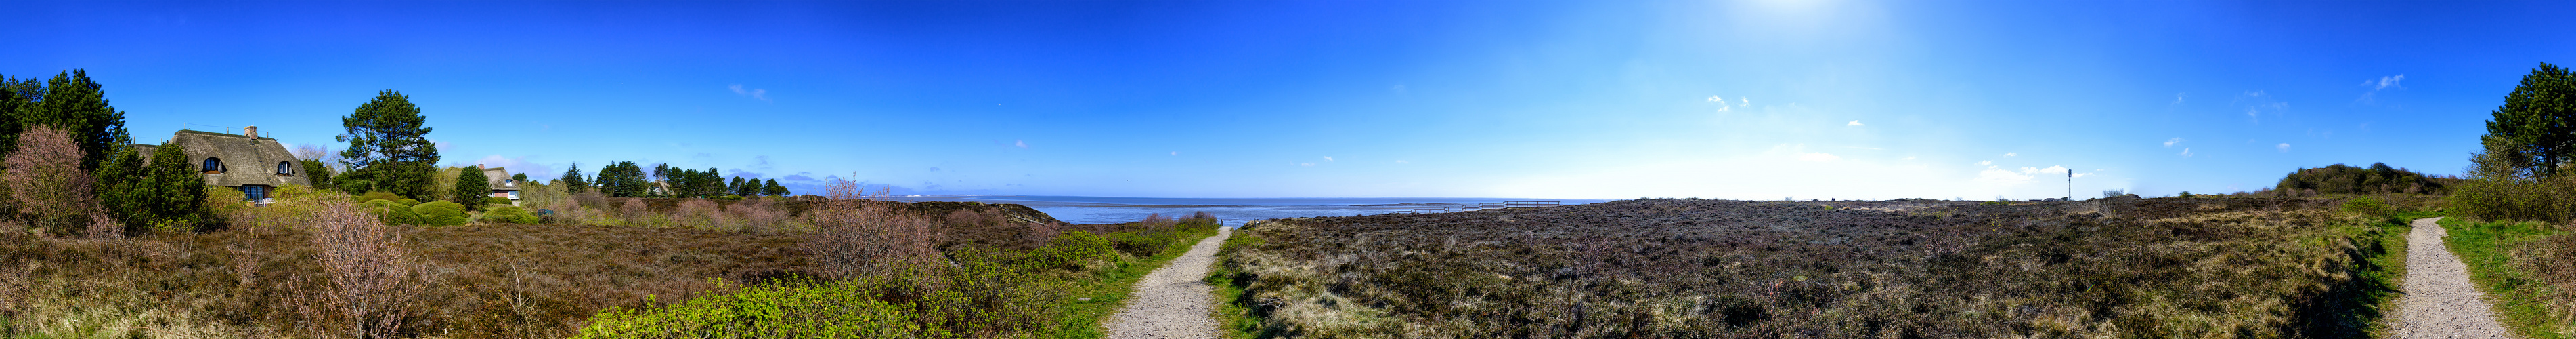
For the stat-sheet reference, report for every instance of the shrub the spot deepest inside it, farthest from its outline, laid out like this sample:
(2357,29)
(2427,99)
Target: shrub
(440,213)
(1077,251)
(509,214)
(46,181)
(374,279)
(407,202)
(379,195)
(859,238)
(291,191)
(391,213)
(496,201)
(2367,206)
(840,309)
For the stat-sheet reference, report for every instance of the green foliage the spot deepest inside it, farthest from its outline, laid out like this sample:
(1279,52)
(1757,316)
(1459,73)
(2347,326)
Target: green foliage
(378,195)
(496,201)
(388,138)
(318,172)
(72,102)
(2369,207)
(2523,267)
(572,180)
(472,185)
(119,181)
(1078,251)
(2378,178)
(440,213)
(622,179)
(392,213)
(407,202)
(2545,200)
(2185,194)
(773,188)
(353,182)
(510,214)
(802,309)
(2535,130)
(164,195)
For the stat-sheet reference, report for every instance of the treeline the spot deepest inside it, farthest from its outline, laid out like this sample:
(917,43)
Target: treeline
(2520,174)
(625,179)
(2378,178)
(72,168)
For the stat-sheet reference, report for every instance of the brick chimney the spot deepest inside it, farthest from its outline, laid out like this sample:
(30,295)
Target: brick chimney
(252,131)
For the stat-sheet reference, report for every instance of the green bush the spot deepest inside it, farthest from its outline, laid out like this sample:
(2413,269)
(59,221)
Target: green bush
(496,201)
(509,214)
(407,202)
(1073,251)
(440,213)
(2368,206)
(840,309)
(392,213)
(379,195)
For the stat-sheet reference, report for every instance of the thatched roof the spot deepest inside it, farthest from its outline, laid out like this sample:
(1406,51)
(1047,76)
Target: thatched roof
(499,179)
(245,161)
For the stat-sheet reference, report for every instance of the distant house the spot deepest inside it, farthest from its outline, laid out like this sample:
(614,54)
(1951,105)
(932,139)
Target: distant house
(245,162)
(657,188)
(501,183)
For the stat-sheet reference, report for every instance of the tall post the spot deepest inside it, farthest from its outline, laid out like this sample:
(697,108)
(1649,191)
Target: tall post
(2070,184)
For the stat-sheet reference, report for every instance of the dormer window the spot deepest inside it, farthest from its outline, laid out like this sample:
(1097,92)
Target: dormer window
(213,165)
(285,168)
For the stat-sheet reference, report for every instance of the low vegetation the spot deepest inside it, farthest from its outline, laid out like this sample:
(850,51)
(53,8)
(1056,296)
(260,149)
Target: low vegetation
(2168,267)
(2527,269)
(323,264)
(2376,179)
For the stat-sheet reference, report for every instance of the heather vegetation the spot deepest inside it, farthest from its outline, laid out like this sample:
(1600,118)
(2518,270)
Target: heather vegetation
(319,264)
(2166,267)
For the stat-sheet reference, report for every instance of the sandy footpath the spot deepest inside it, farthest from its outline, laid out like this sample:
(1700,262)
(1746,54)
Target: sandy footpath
(1172,302)
(2439,301)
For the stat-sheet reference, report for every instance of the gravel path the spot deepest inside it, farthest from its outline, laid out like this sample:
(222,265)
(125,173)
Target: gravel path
(1172,302)
(2439,301)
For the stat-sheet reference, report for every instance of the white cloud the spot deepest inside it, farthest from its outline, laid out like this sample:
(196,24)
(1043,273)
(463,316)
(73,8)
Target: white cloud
(1818,157)
(2387,81)
(1986,163)
(2186,152)
(2170,143)
(755,93)
(1909,157)
(1328,159)
(1999,176)
(1176,153)
(1783,172)
(2009,154)
(2177,99)
(1718,100)
(2285,148)
(1853,123)
(1744,102)
(1020,143)
(1306,164)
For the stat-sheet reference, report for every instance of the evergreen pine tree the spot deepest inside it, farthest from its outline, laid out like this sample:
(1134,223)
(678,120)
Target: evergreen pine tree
(572,180)
(471,187)
(388,140)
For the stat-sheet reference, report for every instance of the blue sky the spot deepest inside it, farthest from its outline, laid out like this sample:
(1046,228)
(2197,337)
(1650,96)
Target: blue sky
(1575,99)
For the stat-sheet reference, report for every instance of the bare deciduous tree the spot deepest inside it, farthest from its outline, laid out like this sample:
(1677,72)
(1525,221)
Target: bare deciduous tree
(375,278)
(45,180)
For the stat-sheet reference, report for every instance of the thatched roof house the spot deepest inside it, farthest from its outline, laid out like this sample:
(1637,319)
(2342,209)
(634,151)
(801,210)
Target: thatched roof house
(244,161)
(501,183)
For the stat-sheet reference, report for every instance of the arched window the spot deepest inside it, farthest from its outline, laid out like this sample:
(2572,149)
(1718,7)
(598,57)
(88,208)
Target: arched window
(285,168)
(214,165)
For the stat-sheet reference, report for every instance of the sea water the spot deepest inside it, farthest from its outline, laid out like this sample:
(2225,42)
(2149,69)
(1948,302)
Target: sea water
(1234,211)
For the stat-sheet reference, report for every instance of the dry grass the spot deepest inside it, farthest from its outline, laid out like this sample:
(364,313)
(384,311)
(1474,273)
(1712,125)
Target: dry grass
(2235,267)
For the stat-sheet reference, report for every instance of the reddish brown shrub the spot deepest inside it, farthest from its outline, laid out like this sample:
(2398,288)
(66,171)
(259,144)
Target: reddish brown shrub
(853,239)
(366,262)
(46,181)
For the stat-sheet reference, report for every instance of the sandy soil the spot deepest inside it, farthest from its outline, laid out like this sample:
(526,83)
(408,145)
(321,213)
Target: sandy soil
(1172,302)
(2439,301)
